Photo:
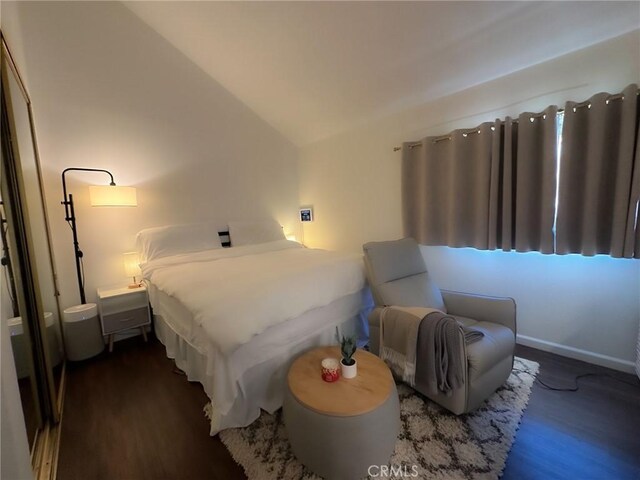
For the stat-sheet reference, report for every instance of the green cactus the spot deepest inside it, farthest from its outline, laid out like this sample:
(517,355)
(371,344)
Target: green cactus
(348,347)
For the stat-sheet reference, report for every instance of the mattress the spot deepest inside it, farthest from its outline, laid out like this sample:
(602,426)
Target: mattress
(237,293)
(252,377)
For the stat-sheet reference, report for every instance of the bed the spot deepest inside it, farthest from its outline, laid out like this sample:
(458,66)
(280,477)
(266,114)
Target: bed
(234,317)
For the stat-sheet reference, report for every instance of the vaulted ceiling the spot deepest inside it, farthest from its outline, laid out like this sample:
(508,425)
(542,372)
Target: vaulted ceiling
(315,69)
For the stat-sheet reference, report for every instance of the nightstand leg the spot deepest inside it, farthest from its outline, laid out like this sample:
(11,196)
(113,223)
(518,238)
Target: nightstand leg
(111,343)
(144,333)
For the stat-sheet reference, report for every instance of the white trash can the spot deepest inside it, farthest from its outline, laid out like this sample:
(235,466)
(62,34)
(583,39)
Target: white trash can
(16,330)
(82,333)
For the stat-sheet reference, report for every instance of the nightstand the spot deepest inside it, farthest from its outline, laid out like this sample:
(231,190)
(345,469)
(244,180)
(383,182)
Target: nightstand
(123,309)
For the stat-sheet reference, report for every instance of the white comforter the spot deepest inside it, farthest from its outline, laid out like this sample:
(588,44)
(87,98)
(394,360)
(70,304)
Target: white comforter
(236,293)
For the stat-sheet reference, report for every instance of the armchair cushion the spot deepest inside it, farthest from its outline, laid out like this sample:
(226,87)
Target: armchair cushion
(398,275)
(497,344)
(394,260)
(416,290)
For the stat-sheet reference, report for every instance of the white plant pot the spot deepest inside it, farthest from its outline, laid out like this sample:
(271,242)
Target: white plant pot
(349,371)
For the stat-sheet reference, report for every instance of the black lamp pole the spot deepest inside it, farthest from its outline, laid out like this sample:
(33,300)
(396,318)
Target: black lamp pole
(70,217)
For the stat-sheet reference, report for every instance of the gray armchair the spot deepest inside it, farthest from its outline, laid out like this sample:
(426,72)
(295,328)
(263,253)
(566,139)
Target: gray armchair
(398,276)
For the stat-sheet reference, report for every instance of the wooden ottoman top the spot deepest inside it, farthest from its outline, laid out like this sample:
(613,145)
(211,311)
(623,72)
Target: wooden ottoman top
(347,396)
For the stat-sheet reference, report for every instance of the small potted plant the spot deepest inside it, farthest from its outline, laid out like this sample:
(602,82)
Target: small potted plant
(348,364)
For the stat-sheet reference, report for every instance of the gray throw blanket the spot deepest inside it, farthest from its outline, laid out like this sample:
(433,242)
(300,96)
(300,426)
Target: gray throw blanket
(439,340)
(399,338)
(440,343)
(404,331)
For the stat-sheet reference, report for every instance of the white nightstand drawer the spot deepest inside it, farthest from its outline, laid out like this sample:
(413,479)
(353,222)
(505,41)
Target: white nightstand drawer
(123,303)
(123,320)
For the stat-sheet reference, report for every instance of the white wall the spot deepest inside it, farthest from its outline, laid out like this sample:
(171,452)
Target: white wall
(586,307)
(109,92)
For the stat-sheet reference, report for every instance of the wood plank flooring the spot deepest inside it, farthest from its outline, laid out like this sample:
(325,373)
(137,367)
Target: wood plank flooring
(28,409)
(127,415)
(590,434)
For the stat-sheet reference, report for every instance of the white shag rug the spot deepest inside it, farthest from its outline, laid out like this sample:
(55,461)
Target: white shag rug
(441,445)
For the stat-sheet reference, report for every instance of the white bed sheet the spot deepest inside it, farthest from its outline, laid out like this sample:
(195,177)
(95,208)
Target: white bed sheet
(237,293)
(252,377)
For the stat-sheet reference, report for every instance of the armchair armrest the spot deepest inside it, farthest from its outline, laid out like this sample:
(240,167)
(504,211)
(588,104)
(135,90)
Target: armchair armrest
(482,308)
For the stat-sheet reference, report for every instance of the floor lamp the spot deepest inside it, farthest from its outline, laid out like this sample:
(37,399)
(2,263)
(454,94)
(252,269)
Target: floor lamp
(99,196)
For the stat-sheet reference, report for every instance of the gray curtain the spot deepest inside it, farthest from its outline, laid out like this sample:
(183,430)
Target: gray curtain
(503,182)
(528,157)
(599,178)
(491,187)
(632,238)
(446,185)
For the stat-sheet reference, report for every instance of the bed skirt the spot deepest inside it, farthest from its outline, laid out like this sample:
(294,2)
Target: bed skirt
(259,387)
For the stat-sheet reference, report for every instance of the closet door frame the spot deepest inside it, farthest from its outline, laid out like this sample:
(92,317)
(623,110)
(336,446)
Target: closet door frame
(21,244)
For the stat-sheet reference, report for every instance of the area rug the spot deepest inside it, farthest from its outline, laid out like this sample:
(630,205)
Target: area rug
(432,442)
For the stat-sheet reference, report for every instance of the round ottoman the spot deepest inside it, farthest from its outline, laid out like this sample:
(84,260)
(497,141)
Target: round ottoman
(338,430)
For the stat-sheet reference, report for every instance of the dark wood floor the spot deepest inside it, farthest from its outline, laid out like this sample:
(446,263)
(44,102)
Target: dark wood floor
(590,434)
(128,416)
(28,409)
(31,420)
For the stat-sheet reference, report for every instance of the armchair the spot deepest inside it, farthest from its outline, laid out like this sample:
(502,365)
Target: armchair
(398,276)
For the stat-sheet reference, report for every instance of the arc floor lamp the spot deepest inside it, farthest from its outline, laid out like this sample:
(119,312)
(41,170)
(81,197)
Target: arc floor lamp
(100,196)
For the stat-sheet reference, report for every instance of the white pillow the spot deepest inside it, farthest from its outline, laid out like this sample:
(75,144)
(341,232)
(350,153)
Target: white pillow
(159,242)
(249,233)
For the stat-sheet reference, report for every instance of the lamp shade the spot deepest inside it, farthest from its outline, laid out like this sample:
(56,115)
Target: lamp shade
(131,264)
(112,196)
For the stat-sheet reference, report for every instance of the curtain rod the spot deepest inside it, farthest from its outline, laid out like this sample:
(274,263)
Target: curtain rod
(586,103)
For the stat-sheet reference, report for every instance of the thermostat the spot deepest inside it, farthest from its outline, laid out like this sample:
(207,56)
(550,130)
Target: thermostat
(306,214)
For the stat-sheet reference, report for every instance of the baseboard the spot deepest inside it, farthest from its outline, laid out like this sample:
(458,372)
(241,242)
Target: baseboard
(577,353)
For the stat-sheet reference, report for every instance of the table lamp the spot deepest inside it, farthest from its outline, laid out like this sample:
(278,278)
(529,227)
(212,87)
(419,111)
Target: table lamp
(132,267)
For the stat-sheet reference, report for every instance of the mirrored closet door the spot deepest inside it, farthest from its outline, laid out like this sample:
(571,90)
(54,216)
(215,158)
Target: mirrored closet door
(29,297)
